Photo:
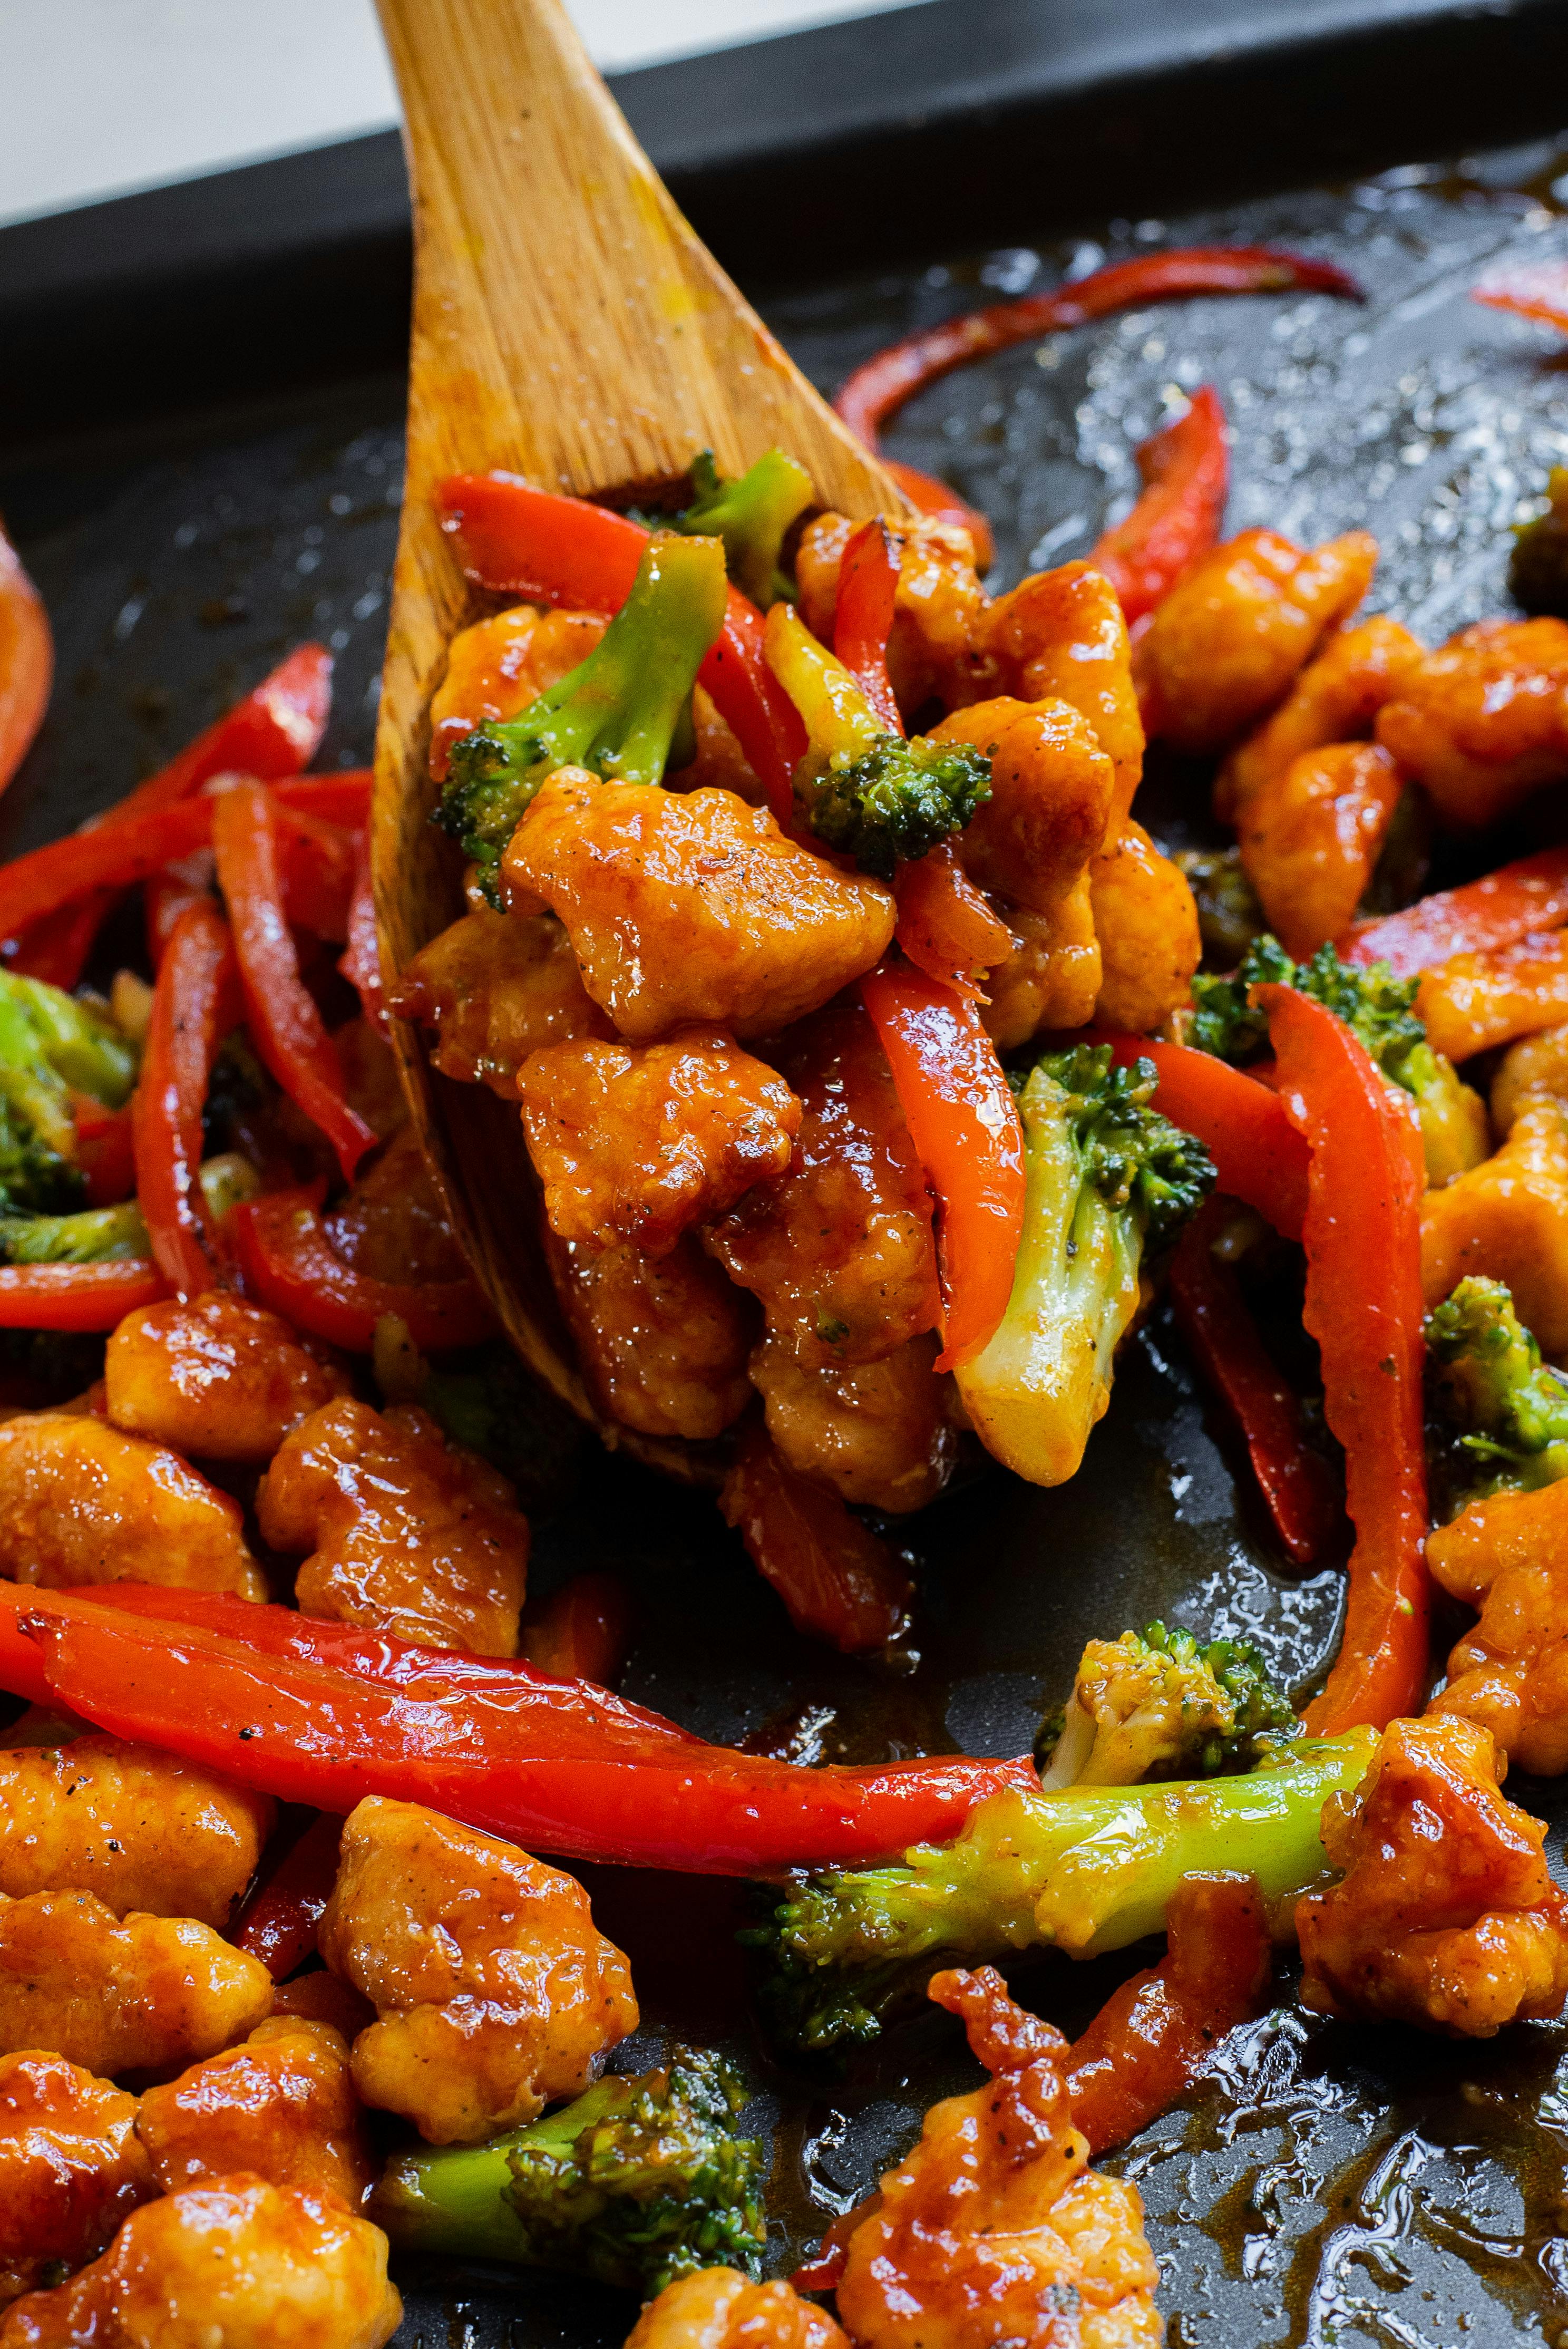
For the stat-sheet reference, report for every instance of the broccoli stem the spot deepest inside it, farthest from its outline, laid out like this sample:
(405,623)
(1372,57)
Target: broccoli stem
(453,2199)
(94,1235)
(751,516)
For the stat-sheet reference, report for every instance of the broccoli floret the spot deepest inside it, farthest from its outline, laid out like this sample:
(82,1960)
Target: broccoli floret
(50,1044)
(1084,1868)
(618,713)
(752,515)
(636,2183)
(92,1235)
(1512,1406)
(1538,567)
(1157,1705)
(1229,915)
(1107,1178)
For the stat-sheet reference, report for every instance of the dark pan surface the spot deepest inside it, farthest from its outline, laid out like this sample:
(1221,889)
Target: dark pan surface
(1329,2185)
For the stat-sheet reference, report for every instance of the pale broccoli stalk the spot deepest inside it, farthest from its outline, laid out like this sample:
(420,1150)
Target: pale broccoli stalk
(1157,1705)
(1084,1870)
(102,1235)
(636,2183)
(752,515)
(1105,1178)
(1494,1386)
(50,1044)
(618,713)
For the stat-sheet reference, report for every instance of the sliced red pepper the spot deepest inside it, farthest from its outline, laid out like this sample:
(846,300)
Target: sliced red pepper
(938,500)
(868,589)
(165,897)
(361,964)
(567,1768)
(278,1922)
(56,948)
(838,1581)
(280,1014)
(964,1122)
(1496,911)
(195,1003)
(106,1151)
(1258,1155)
(318,863)
(582,1632)
(283,1250)
(518,541)
(79,1297)
(48,879)
(1531,289)
(1362,1233)
(1211,1314)
(343,798)
(1186,470)
(26,661)
(947,926)
(879,389)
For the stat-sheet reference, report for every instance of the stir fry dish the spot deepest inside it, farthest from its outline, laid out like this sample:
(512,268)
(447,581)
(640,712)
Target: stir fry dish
(872,1072)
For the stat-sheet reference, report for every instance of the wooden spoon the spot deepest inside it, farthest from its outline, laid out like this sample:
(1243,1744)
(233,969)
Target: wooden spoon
(568,326)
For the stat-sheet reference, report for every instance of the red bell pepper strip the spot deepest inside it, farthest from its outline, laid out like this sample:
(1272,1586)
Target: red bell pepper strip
(582,1632)
(1212,1316)
(195,1003)
(1258,1155)
(1496,911)
(964,1123)
(1364,1306)
(518,541)
(930,496)
(318,863)
(77,1296)
(565,1767)
(1531,289)
(165,897)
(947,926)
(26,661)
(343,798)
(360,965)
(879,389)
(278,1922)
(868,589)
(106,1151)
(839,1583)
(57,947)
(1186,470)
(285,1251)
(48,879)
(285,1026)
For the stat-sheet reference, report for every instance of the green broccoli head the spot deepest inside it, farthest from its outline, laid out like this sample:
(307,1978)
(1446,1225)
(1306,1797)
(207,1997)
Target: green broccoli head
(896,800)
(1229,915)
(1158,1704)
(1538,567)
(1132,1156)
(50,1044)
(91,1235)
(752,516)
(637,2182)
(1511,1407)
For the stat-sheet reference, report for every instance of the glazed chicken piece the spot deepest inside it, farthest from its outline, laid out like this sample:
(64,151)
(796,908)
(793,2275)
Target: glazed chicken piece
(662,1341)
(498,666)
(139,1829)
(121,1995)
(688,906)
(1051,798)
(878,1432)
(1474,1002)
(495,1992)
(1508,1557)
(1146,920)
(717,2308)
(235,2264)
(995,2229)
(938,611)
(1054,978)
(1229,639)
(405,1532)
(214,1376)
(1311,836)
(281,2105)
(1061,634)
(71,2167)
(81,1502)
(642,1140)
(1508,1219)
(495,987)
(1336,698)
(1484,721)
(1536,1067)
(391,1226)
(1447,1916)
(839,1248)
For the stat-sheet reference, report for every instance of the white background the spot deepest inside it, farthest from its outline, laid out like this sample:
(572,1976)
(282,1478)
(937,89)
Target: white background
(100,96)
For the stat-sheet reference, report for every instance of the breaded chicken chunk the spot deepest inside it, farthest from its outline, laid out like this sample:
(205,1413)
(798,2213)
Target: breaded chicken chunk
(71,2167)
(1508,1557)
(81,1502)
(1060,635)
(496,1993)
(938,610)
(1311,836)
(1535,1068)
(214,1376)
(1053,977)
(283,2103)
(121,1995)
(881,1433)
(1474,1002)
(1051,798)
(662,1341)
(495,987)
(719,2308)
(1336,698)
(1146,921)
(1508,1219)
(1484,721)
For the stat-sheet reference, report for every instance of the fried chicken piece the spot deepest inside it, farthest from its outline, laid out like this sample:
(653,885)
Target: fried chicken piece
(717,2308)
(644,1140)
(938,612)
(720,764)
(495,987)
(283,2104)
(995,2229)
(1054,979)
(138,1994)
(214,1376)
(691,905)
(80,1502)
(140,1828)
(498,666)
(1146,920)
(662,1341)
(1228,640)
(70,2166)
(1484,721)
(1311,836)
(320,1997)
(235,2264)
(1508,1555)
(1447,1916)
(496,1993)
(878,1432)
(1336,698)
(1536,1066)
(1051,797)
(1508,1219)
(1474,1002)
(839,1248)
(405,1532)
(1060,634)
(392,1225)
